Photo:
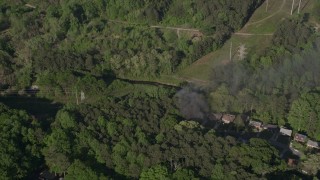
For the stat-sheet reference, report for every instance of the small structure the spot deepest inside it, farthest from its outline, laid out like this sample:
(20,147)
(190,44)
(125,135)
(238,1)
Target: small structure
(269,126)
(300,137)
(292,162)
(228,118)
(286,132)
(256,124)
(312,144)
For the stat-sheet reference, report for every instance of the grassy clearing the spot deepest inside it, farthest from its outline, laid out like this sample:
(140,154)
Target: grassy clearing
(261,13)
(261,22)
(201,69)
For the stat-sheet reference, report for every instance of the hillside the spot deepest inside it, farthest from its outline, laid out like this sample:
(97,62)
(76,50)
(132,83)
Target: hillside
(255,36)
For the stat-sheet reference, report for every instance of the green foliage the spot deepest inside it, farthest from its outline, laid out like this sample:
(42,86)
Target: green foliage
(20,140)
(304,114)
(184,174)
(158,172)
(260,157)
(79,170)
(217,172)
(311,165)
(131,131)
(81,36)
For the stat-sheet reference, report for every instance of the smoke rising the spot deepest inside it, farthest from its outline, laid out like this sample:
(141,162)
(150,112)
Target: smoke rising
(192,103)
(291,75)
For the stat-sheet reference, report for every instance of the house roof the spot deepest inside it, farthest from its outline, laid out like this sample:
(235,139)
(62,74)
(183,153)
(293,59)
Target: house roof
(255,123)
(312,143)
(228,117)
(300,137)
(285,131)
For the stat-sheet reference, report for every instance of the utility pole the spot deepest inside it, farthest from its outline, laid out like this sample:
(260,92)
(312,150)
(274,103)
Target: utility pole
(299,6)
(292,7)
(82,96)
(231,51)
(267,5)
(77,97)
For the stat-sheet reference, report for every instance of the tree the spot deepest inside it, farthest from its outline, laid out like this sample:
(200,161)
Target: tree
(259,156)
(217,172)
(56,151)
(79,170)
(312,164)
(184,174)
(20,142)
(157,172)
(304,113)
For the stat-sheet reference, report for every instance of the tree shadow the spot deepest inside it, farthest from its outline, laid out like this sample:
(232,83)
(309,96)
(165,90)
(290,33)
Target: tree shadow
(42,109)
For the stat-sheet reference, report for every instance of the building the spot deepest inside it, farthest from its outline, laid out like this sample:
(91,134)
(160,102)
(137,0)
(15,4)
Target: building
(256,124)
(312,144)
(228,118)
(300,137)
(286,132)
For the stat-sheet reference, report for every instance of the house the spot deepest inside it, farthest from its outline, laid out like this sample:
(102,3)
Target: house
(312,144)
(300,137)
(228,118)
(286,132)
(255,124)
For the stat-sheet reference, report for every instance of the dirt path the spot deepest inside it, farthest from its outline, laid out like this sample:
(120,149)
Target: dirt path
(176,28)
(268,17)
(252,34)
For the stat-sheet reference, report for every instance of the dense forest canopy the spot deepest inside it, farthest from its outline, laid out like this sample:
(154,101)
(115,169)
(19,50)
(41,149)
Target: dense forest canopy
(104,38)
(91,69)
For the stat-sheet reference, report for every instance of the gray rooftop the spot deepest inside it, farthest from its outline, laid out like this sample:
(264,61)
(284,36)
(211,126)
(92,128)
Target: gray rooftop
(312,143)
(285,131)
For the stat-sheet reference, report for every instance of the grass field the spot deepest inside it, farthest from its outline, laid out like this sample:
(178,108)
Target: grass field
(255,36)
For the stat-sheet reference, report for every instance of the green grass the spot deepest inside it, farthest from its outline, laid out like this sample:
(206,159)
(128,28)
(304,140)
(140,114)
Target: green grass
(261,12)
(202,68)
(261,22)
(298,146)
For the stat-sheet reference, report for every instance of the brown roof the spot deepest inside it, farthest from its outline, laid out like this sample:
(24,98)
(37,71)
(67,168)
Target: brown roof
(228,117)
(300,137)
